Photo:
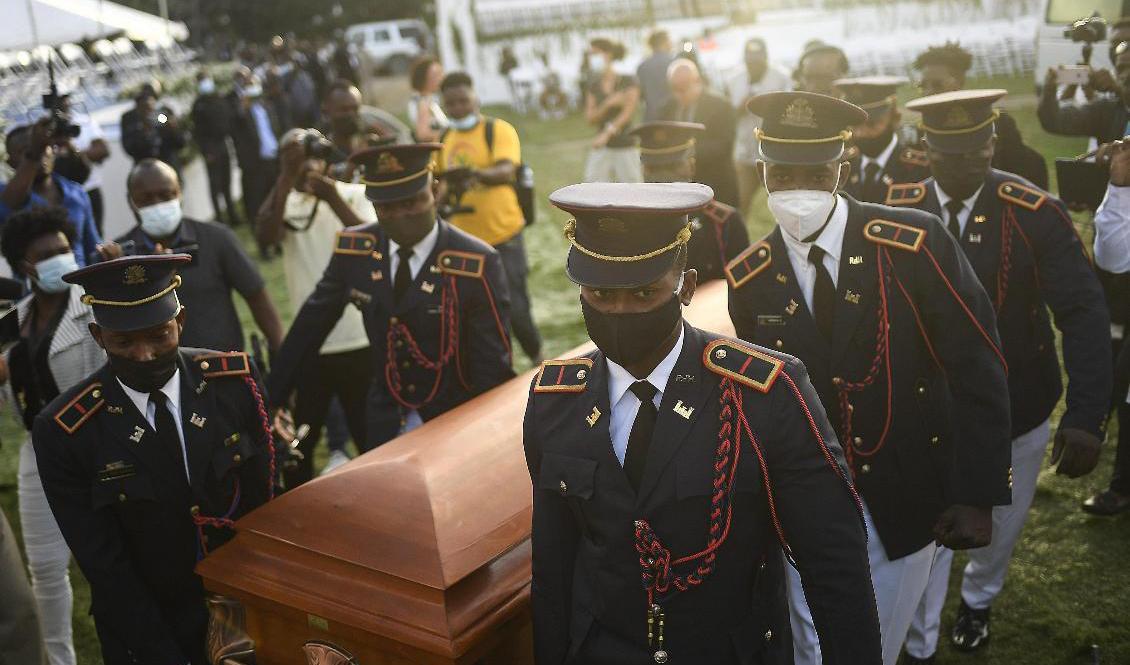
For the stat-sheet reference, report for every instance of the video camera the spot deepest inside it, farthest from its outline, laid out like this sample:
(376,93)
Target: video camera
(1086,31)
(60,126)
(458,181)
(317,146)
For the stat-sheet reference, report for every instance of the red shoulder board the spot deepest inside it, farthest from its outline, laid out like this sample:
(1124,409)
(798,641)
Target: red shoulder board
(214,365)
(1022,195)
(748,264)
(464,264)
(744,364)
(914,157)
(719,212)
(80,409)
(904,194)
(563,376)
(893,234)
(355,243)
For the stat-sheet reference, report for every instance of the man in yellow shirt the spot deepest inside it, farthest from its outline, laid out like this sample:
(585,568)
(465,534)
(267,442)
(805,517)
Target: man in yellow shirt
(487,166)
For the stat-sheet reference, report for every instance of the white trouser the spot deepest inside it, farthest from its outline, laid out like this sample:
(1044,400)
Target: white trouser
(613,165)
(985,572)
(48,558)
(899,586)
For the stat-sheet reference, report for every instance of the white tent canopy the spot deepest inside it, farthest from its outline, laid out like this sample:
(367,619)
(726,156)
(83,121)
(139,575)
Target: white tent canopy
(60,21)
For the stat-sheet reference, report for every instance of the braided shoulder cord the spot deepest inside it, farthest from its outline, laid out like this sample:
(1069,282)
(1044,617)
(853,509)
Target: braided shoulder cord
(448,348)
(1007,220)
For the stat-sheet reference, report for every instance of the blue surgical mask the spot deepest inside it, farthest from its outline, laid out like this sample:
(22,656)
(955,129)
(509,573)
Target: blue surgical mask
(49,272)
(465,123)
(207,86)
(160,220)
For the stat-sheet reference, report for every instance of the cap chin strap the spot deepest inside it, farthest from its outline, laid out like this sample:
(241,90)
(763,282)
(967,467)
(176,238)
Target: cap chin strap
(88,299)
(964,130)
(681,238)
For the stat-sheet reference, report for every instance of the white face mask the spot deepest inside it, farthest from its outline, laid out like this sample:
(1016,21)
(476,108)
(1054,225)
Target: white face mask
(160,219)
(207,86)
(801,212)
(465,123)
(597,62)
(49,272)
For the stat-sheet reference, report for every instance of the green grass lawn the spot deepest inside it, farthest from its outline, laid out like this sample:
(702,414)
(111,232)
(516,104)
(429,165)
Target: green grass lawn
(1069,586)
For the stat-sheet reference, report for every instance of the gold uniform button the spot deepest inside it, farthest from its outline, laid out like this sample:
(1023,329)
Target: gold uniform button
(858,440)
(98,393)
(762,252)
(934,440)
(780,344)
(399,343)
(377,255)
(866,468)
(921,390)
(405,364)
(411,389)
(876,228)
(447,260)
(368,244)
(720,354)
(563,487)
(194,511)
(768,635)
(393,320)
(837,381)
(204,365)
(581,374)
(122,497)
(237,458)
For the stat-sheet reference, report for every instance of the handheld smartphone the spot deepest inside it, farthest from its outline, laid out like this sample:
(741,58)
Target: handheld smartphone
(1073,74)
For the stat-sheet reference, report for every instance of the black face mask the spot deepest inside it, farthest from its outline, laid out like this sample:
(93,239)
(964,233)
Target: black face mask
(626,339)
(872,147)
(144,376)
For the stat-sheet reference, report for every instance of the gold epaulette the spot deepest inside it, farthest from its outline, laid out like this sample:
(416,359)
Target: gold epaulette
(904,194)
(893,234)
(748,264)
(213,365)
(718,212)
(563,376)
(742,363)
(81,408)
(914,157)
(355,243)
(1022,195)
(463,264)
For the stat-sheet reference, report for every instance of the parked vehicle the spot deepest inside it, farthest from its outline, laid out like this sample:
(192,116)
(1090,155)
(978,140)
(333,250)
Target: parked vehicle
(390,46)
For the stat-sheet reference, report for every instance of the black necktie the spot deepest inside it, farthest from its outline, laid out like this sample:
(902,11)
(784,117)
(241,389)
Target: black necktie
(403,277)
(639,440)
(871,180)
(953,209)
(823,293)
(166,428)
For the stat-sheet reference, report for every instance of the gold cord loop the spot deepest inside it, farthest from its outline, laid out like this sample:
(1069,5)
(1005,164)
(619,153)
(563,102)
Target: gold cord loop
(88,299)
(682,238)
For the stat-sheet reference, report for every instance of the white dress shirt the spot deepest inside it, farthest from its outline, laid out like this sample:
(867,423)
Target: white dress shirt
(171,390)
(268,142)
(1112,230)
(831,240)
(883,157)
(420,253)
(966,210)
(624,402)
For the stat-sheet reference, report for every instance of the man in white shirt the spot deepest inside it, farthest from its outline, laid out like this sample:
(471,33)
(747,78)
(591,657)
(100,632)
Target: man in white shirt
(1112,253)
(304,212)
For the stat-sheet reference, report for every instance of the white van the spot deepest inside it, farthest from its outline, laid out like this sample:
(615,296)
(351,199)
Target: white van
(390,46)
(1053,49)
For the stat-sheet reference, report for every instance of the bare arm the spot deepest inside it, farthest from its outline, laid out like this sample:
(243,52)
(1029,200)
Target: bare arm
(269,227)
(266,317)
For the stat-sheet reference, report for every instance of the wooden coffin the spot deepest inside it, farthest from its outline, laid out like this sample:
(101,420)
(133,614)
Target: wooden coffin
(416,552)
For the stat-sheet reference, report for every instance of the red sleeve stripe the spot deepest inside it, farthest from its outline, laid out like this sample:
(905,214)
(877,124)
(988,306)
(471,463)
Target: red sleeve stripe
(977,324)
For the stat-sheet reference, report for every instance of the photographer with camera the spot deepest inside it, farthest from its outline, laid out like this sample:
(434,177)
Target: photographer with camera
(478,168)
(1105,117)
(150,131)
(304,213)
(31,154)
(52,354)
(219,264)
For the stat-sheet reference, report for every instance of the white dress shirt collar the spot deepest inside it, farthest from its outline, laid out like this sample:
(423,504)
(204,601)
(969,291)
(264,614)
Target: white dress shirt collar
(831,240)
(420,252)
(966,209)
(883,157)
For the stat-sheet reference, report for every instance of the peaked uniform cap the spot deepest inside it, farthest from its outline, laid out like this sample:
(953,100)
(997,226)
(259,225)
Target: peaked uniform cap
(803,127)
(626,235)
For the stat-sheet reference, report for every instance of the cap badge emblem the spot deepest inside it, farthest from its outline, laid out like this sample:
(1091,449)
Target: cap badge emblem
(799,113)
(611,225)
(957,117)
(134,275)
(388,163)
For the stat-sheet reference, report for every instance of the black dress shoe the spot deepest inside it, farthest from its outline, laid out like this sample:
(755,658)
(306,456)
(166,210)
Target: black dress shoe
(1107,503)
(908,659)
(971,629)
